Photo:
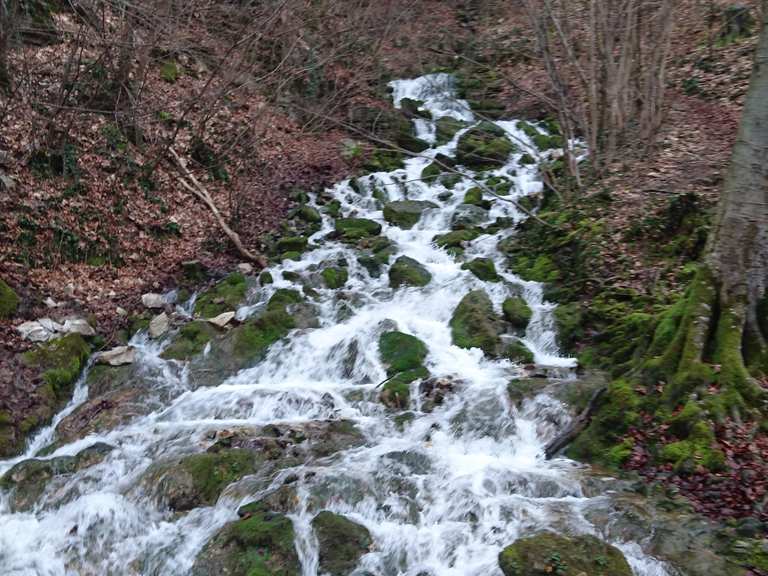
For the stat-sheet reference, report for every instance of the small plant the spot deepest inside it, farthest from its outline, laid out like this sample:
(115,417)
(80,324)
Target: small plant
(170,71)
(557,565)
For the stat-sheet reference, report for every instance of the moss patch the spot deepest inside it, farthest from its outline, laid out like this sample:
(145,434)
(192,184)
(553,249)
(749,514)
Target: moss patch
(354,229)
(335,277)
(341,542)
(517,312)
(406,213)
(9,301)
(484,146)
(223,297)
(483,268)
(400,352)
(60,361)
(408,272)
(475,325)
(190,341)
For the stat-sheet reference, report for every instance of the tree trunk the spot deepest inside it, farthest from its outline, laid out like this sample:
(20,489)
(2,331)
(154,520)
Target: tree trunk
(722,328)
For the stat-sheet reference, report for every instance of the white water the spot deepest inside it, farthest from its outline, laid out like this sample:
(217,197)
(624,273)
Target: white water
(478,479)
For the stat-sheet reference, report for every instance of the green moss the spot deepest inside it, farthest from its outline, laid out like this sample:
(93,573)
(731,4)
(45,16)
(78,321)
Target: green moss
(483,268)
(254,337)
(60,361)
(284,297)
(484,146)
(170,71)
(223,297)
(519,353)
(568,321)
(291,244)
(474,196)
(310,214)
(537,269)
(698,449)
(396,393)
(341,543)
(212,472)
(9,301)
(446,128)
(408,272)
(334,277)
(431,172)
(266,278)
(456,238)
(291,255)
(333,208)
(384,161)
(400,352)
(475,325)
(549,553)
(353,229)
(190,341)
(517,312)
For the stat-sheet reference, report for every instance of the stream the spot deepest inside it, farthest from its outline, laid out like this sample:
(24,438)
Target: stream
(441,493)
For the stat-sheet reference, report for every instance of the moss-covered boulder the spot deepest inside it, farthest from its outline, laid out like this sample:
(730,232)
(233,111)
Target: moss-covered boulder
(483,268)
(310,214)
(406,213)
(484,146)
(456,238)
(291,244)
(519,353)
(547,554)
(568,319)
(341,542)
(28,479)
(475,325)
(261,543)
(400,352)
(251,340)
(396,392)
(9,301)
(197,480)
(334,277)
(354,229)
(431,172)
(466,216)
(517,312)
(223,297)
(60,362)
(190,340)
(411,108)
(408,272)
(446,128)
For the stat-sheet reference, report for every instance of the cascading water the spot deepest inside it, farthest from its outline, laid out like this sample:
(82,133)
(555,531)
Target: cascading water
(441,493)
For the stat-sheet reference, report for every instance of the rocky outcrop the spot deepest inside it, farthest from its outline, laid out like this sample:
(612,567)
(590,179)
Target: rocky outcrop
(549,553)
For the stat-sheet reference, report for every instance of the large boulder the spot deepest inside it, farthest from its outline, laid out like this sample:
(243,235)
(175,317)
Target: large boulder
(400,352)
(484,146)
(406,213)
(341,542)
(546,554)
(475,325)
(354,229)
(483,268)
(517,312)
(408,272)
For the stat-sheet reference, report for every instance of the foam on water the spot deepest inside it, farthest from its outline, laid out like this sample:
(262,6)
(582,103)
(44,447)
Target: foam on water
(441,495)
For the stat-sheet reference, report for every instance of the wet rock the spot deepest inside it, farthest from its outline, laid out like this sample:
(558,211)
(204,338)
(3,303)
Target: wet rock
(475,325)
(222,319)
(518,353)
(60,362)
(334,277)
(549,553)
(411,108)
(483,268)
(118,356)
(9,301)
(260,543)
(456,239)
(153,301)
(159,325)
(484,146)
(434,390)
(354,229)
(28,479)
(468,216)
(400,352)
(341,542)
(78,326)
(223,297)
(406,213)
(408,272)
(446,128)
(517,312)
(190,340)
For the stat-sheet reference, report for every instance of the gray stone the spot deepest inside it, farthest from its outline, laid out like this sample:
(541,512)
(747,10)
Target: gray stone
(159,325)
(153,300)
(118,356)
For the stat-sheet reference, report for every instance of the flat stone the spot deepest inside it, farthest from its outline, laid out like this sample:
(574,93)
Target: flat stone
(78,326)
(118,356)
(153,300)
(245,268)
(34,331)
(222,319)
(159,325)
(51,303)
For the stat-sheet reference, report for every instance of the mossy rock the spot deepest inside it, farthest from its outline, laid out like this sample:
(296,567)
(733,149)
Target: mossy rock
(341,542)
(9,301)
(384,161)
(310,214)
(408,272)
(410,108)
(431,172)
(484,146)
(334,277)
(519,353)
(396,392)
(517,312)
(252,339)
(483,268)
(475,325)
(223,297)
(547,554)
(446,128)
(60,362)
(456,238)
(699,448)
(568,319)
(198,479)
(284,297)
(406,213)
(354,229)
(467,216)
(291,244)
(400,352)
(190,341)
(261,543)
(266,278)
